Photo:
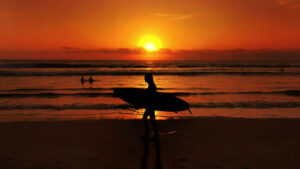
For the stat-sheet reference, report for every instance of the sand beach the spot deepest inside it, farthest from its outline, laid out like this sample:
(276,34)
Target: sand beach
(204,143)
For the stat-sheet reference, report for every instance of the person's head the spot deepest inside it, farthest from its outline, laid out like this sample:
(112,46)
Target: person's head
(148,77)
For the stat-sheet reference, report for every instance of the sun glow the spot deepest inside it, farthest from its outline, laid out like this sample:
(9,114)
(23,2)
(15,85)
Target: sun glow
(150,43)
(150,47)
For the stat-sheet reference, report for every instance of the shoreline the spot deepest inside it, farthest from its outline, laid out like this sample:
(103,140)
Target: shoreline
(158,118)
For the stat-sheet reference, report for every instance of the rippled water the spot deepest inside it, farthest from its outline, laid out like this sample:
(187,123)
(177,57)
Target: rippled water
(52,90)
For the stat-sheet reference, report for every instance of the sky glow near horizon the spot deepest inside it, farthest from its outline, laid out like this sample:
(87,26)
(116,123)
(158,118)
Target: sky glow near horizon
(49,25)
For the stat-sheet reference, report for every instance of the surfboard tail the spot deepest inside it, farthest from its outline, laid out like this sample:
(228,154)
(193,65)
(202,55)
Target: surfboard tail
(190,111)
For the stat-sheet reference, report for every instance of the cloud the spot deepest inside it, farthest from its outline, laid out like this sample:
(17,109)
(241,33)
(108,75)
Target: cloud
(103,51)
(69,48)
(173,16)
(130,51)
(239,54)
(289,3)
(127,53)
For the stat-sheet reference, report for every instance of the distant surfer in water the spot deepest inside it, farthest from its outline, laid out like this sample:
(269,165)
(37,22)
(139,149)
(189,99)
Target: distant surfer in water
(82,81)
(149,110)
(91,80)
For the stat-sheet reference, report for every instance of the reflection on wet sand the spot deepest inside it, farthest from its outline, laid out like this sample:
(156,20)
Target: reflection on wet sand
(145,158)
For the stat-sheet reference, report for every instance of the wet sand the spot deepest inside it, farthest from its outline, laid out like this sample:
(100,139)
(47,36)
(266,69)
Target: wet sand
(204,143)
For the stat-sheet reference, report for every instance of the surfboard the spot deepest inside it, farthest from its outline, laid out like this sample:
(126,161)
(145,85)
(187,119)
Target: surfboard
(142,98)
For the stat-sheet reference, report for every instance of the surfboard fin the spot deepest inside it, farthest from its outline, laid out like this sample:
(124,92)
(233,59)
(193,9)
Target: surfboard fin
(190,111)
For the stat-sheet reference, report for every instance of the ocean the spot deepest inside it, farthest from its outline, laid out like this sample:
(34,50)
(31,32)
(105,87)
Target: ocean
(32,90)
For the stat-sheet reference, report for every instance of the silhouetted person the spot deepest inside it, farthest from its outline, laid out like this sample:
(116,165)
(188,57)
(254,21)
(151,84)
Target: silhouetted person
(150,110)
(82,80)
(150,81)
(91,80)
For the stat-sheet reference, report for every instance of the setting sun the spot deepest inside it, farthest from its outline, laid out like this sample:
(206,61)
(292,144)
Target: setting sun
(150,43)
(150,47)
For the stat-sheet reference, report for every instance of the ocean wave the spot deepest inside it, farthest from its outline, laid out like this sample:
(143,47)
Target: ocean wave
(143,72)
(136,64)
(67,107)
(287,92)
(51,95)
(110,94)
(78,89)
(64,115)
(256,105)
(49,89)
(59,65)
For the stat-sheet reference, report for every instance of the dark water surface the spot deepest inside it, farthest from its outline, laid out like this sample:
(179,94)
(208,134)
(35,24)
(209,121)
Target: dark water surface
(52,90)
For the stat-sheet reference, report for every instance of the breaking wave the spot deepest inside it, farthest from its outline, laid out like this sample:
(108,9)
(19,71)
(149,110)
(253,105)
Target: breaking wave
(257,105)
(111,94)
(142,72)
(136,64)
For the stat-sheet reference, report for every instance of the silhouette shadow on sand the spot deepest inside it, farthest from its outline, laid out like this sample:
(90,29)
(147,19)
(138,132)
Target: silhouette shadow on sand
(146,155)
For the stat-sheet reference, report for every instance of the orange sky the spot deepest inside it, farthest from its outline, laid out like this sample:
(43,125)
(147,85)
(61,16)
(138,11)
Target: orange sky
(51,25)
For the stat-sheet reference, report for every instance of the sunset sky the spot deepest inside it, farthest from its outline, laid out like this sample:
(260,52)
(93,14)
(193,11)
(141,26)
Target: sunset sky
(99,29)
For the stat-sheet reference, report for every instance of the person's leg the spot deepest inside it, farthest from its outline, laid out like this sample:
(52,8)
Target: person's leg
(153,121)
(146,114)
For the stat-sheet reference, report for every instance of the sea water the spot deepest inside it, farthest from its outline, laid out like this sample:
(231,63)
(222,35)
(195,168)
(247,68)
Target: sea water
(52,90)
